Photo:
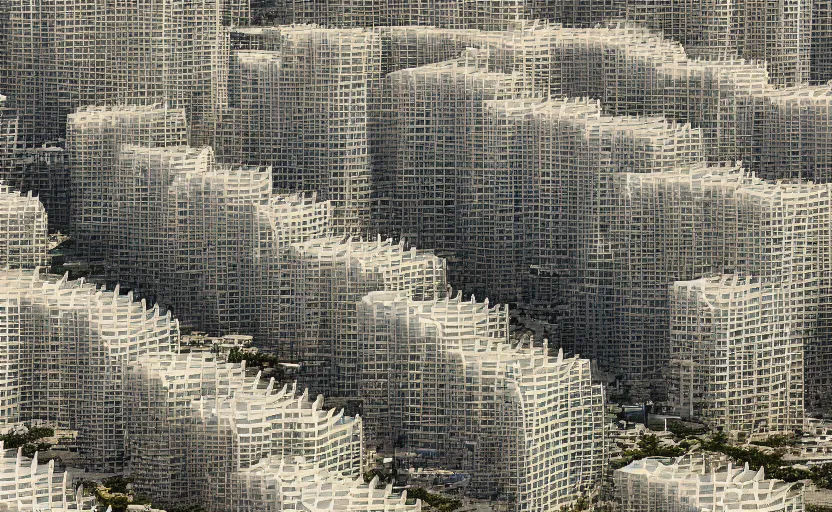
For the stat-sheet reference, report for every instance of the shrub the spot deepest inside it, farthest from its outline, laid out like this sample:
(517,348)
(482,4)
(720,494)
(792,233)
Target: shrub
(773,464)
(777,441)
(439,502)
(187,508)
(679,429)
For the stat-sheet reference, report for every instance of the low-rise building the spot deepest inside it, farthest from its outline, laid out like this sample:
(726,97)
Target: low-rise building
(696,483)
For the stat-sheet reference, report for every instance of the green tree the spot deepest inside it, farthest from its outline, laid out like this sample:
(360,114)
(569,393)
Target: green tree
(437,501)
(187,508)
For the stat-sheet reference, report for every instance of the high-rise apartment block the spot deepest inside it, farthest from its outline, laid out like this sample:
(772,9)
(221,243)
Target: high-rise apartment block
(106,366)
(718,220)
(212,242)
(223,427)
(742,112)
(661,198)
(23,228)
(443,374)
(94,137)
(276,485)
(457,14)
(299,101)
(634,71)
(329,279)
(602,242)
(427,176)
(42,170)
(221,250)
(734,360)
(59,56)
(66,358)
(821,64)
(779,35)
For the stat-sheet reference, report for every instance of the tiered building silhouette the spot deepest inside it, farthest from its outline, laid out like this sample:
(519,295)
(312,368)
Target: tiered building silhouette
(651,180)
(695,482)
(38,485)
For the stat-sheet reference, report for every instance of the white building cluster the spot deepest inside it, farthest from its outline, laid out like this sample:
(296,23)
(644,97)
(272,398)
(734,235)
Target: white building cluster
(299,101)
(443,375)
(276,105)
(424,190)
(94,137)
(695,484)
(42,170)
(330,277)
(277,485)
(226,437)
(778,35)
(782,36)
(58,57)
(212,241)
(743,114)
(771,233)
(174,223)
(295,104)
(788,37)
(694,279)
(482,14)
(64,356)
(637,210)
(306,100)
(95,361)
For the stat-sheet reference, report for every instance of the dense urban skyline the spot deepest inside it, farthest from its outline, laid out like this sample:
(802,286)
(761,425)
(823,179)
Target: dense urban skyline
(475,255)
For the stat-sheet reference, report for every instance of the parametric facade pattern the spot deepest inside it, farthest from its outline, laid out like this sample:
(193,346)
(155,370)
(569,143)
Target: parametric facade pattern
(330,277)
(45,172)
(663,200)
(733,361)
(296,484)
(225,427)
(442,374)
(94,136)
(694,484)
(23,230)
(821,68)
(424,190)
(212,242)
(65,361)
(621,232)
(199,249)
(57,57)
(455,14)
(771,231)
(742,114)
(220,249)
(106,366)
(299,100)
(42,170)
(780,36)
(37,486)
(8,138)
